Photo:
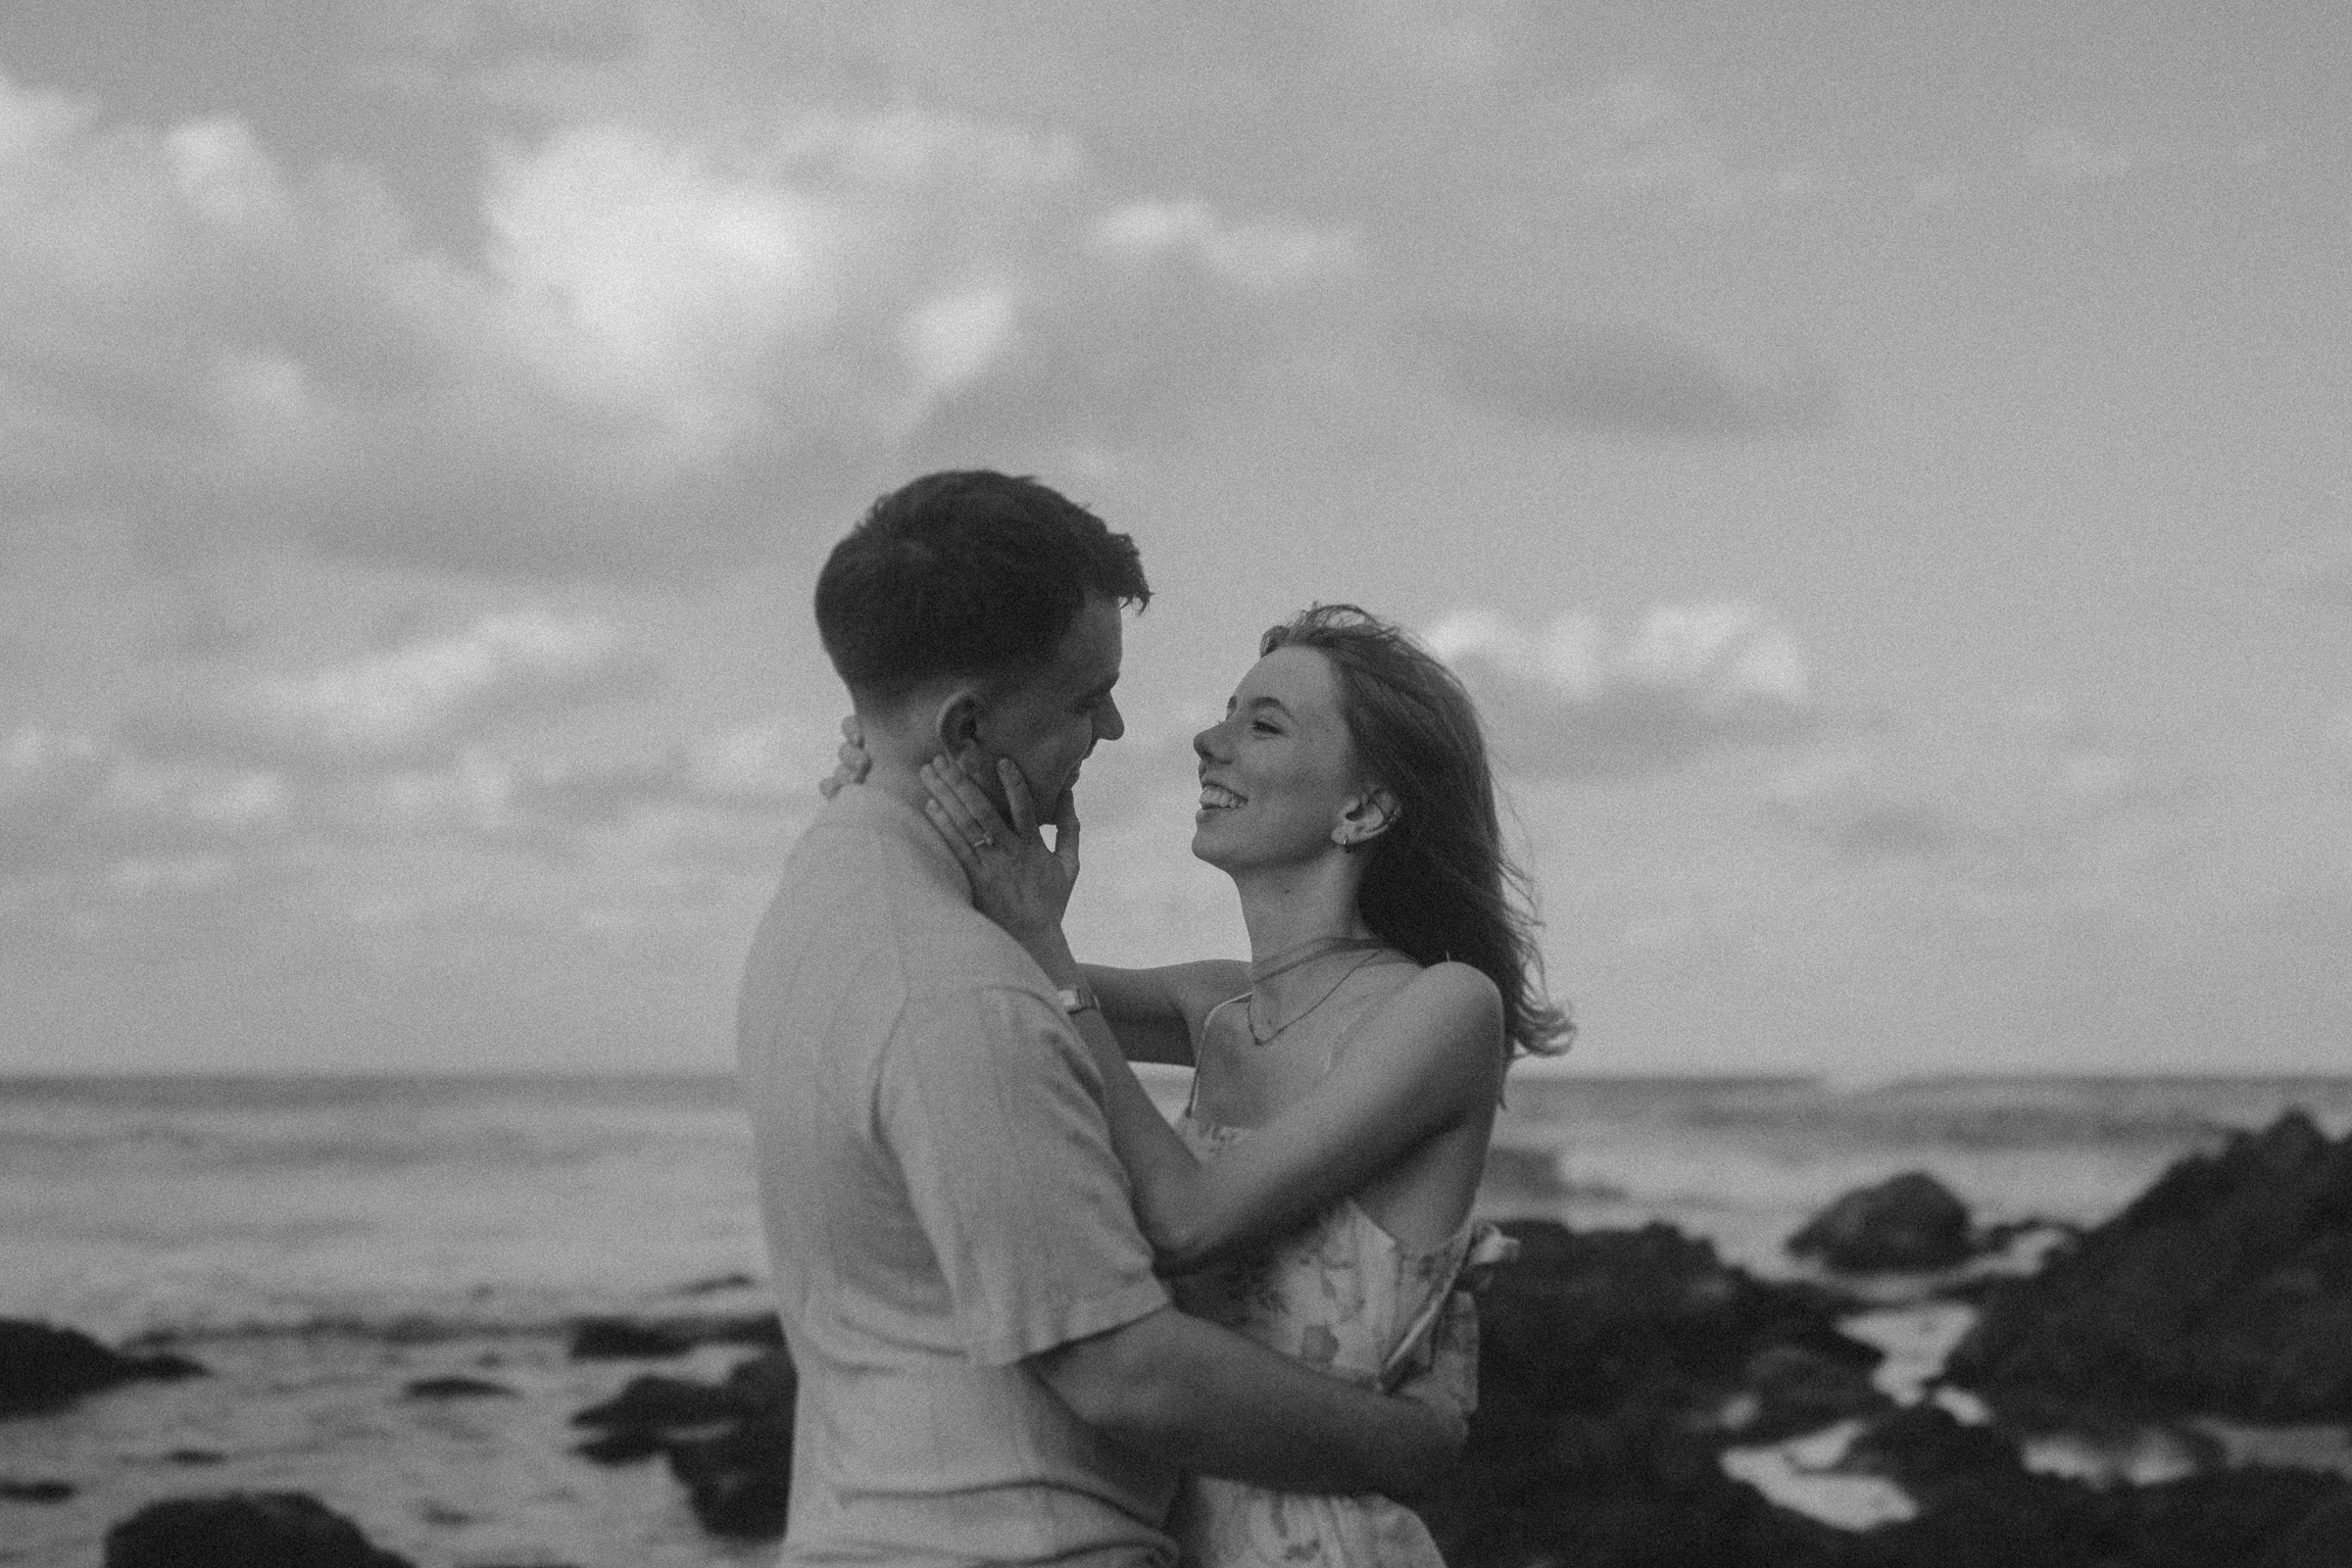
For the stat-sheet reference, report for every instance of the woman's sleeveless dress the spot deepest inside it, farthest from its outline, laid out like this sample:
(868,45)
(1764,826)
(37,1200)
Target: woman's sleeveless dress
(1343,1294)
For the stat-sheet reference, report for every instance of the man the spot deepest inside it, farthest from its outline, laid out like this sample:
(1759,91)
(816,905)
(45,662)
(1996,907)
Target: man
(990,1371)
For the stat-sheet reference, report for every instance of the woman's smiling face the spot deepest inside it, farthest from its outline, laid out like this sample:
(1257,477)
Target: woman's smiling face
(1279,770)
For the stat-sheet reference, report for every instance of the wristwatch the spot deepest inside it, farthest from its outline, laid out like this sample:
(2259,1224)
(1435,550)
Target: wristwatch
(1077,998)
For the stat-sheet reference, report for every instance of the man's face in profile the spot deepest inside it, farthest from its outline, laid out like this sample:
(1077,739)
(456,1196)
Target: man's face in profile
(1049,720)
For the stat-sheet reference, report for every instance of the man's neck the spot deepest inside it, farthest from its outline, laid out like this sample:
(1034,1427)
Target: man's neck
(898,778)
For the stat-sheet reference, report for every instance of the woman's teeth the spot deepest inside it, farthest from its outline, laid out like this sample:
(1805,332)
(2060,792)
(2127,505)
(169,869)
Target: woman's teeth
(1217,798)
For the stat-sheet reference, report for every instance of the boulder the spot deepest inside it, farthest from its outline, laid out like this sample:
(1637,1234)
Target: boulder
(1928,1453)
(243,1530)
(457,1387)
(2225,1288)
(609,1339)
(729,1444)
(1909,1222)
(44,1368)
(2321,1539)
(739,1482)
(1608,1362)
(35,1491)
(2227,1519)
(652,1412)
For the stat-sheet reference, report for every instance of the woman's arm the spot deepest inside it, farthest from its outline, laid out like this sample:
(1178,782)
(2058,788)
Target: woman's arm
(1156,1012)
(1427,1061)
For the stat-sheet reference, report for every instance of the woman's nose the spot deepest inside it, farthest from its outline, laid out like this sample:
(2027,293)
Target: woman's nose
(1204,743)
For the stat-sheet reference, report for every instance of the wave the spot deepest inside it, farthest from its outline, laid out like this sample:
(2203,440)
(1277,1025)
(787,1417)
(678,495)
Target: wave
(723,1308)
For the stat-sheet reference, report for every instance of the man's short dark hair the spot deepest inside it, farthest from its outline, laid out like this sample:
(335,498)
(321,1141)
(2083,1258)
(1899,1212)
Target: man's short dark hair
(966,572)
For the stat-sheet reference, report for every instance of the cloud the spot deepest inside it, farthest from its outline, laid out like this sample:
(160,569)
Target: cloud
(88,819)
(1625,378)
(2031,795)
(415,701)
(1635,136)
(1574,701)
(1256,254)
(2068,155)
(665,347)
(2320,566)
(72,802)
(655,282)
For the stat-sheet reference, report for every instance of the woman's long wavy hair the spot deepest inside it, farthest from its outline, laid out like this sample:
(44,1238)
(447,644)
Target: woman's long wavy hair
(1437,884)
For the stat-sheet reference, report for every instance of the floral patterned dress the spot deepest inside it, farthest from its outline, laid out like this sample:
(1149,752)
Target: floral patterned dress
(1343,1294)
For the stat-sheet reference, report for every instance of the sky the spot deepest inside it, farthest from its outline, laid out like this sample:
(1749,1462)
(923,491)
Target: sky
(1883,470)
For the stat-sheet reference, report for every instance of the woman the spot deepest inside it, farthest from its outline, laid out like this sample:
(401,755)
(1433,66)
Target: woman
(1316,1192)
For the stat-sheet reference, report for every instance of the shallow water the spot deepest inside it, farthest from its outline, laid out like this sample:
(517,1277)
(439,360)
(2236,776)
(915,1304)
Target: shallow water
(321,1244)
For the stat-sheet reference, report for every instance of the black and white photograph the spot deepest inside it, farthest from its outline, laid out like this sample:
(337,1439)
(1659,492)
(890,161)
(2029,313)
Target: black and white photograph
(1327,784)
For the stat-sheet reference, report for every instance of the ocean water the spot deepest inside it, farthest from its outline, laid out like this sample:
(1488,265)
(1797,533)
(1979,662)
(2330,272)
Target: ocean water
(319,1243)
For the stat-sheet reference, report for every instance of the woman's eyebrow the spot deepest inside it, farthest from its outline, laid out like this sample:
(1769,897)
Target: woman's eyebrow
(1274,702)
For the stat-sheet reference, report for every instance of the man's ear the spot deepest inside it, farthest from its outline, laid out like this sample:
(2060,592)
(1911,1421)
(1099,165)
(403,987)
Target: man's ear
(958,722)
(1366,817)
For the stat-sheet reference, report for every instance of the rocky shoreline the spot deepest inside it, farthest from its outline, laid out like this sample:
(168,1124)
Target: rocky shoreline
(1638,1393)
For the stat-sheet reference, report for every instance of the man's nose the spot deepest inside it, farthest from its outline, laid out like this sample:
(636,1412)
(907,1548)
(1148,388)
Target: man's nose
(1109,722)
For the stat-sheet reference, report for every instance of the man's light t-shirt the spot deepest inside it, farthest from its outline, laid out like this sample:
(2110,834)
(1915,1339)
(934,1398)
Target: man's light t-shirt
(942,1202)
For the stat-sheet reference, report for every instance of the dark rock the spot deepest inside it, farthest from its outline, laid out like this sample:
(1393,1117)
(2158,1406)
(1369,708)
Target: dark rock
(243,1530)
(1927,1452)
(1606,1358)
(607,1339)
(729,1444)
(457,1387)
(739,1483)
(44,1368)
(196,1457)
(1597,1321)
(2322,1539)
(624,1446)
(765,1382)
(2225,1288)
(714,1284)
(1907,1223)
(35,1491)
(1798,1389)
(653,1402)
(2228,1519)
(1980,1508)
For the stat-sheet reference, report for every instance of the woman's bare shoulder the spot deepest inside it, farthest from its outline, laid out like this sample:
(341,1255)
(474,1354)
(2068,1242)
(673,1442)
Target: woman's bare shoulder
(1449,1004)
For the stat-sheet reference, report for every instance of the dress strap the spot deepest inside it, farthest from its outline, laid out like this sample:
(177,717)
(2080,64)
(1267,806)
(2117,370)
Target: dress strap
(1220,1007)
(1193,1096)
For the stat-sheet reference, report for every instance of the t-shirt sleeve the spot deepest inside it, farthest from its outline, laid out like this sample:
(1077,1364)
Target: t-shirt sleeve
(991,1107)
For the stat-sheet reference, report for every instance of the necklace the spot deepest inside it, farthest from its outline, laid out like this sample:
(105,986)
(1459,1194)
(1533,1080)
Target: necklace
(1322,946)
(1291,958)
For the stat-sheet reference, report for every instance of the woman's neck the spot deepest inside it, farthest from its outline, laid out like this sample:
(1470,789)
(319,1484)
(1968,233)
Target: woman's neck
(1286,908)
